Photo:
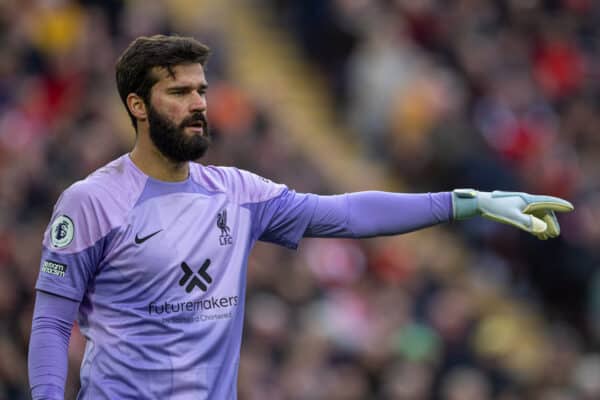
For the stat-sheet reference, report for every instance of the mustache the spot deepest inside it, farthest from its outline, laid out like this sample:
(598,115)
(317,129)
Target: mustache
(194,119)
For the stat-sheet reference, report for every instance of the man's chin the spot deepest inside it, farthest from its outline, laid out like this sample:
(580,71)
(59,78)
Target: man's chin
(199,151)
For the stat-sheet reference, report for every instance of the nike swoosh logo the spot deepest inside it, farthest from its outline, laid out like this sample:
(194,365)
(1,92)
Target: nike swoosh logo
(140,240)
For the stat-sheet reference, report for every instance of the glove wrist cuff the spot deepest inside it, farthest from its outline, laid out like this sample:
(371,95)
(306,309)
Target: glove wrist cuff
(464,203)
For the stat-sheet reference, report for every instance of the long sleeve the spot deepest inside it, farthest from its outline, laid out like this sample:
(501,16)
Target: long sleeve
(368,214)
(48,346)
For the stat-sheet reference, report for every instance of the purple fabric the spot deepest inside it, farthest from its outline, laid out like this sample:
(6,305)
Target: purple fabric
(284,219)
(163,316)
(155,188)
(48,347)
(355,215)
(368,214)
(80,268)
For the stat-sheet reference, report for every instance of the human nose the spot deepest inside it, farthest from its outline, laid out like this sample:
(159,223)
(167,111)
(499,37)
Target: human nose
(198,102)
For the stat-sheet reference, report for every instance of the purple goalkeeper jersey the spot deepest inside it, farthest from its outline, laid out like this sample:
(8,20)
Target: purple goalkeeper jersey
(160,270)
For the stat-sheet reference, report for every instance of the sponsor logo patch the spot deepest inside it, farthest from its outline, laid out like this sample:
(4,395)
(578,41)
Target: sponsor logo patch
(225,238)
(62,231)
(140,240)
(199,279)
(54,268)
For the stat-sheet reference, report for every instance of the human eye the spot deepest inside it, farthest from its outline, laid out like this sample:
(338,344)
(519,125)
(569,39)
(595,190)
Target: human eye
(180,91)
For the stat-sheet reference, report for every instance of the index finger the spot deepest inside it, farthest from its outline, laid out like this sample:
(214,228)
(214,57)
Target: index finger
(537,203)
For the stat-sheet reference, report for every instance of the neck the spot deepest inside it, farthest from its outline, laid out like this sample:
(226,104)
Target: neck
(154,164)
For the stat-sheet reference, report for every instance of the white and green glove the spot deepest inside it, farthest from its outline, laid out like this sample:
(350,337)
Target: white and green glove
(532,213)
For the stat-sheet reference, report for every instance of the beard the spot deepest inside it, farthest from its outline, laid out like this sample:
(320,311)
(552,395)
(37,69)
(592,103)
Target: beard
(173,142)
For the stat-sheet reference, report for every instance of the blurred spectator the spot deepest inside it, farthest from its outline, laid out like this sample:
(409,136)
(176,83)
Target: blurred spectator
(463,383)
(490,94)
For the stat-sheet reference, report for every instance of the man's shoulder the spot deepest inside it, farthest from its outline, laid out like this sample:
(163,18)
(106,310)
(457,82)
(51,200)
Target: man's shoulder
(112,184)
(243,186)
(91,208)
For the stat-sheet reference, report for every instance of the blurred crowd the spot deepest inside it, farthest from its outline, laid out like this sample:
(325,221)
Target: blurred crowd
(463,93)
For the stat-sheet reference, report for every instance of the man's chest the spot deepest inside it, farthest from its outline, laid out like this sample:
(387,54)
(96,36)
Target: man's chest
(180,245)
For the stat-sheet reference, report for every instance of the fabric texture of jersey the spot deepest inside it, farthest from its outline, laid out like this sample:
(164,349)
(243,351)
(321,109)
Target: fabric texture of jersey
(160,271)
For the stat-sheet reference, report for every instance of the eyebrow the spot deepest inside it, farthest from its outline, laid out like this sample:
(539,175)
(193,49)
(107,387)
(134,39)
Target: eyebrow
(186,87)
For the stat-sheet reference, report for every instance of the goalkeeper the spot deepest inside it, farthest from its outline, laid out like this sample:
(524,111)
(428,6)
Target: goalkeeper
(150,251)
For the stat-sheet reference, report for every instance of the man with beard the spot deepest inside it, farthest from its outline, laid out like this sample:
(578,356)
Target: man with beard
(150,251)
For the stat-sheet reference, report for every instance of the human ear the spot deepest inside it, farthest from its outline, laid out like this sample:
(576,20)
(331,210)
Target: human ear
(137,106)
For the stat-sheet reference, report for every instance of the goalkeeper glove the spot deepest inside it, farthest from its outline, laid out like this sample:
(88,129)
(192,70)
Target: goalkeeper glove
(533,214)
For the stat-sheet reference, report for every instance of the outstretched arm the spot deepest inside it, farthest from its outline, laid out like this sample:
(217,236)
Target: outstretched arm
(367,214)
(53,318)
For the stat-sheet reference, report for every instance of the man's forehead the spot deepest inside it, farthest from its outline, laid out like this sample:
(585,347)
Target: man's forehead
(182,73)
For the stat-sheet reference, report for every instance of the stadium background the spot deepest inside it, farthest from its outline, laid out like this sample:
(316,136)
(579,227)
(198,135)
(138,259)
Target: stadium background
(334,96)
